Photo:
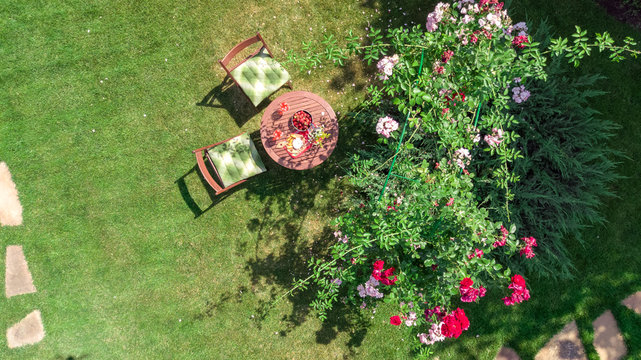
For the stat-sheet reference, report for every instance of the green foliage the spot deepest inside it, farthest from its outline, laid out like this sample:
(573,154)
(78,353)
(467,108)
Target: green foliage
(430,226)
(568,166)
(581,46)
(442,213)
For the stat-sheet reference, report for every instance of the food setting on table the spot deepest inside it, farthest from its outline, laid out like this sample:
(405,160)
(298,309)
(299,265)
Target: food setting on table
(299,130)
(305,132)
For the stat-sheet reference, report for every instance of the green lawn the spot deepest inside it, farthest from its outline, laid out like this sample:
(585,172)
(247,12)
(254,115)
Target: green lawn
(103,102)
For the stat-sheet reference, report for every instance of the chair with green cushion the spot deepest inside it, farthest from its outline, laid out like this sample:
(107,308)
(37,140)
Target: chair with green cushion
(233,160)
(259,75)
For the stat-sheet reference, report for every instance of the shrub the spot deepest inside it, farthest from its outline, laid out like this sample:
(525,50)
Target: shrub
(566,169)
(437,231)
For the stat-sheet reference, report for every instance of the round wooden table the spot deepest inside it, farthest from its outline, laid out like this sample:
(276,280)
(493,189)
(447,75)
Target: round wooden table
(322,114)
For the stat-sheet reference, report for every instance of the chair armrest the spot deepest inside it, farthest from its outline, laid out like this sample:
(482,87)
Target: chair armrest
(203,170)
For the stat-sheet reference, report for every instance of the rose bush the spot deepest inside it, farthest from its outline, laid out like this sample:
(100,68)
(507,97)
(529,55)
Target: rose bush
(422,237)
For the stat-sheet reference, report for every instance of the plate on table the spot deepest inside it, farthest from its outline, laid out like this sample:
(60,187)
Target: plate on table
(296,145)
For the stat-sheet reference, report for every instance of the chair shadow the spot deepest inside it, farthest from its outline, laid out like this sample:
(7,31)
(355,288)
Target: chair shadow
(230,97)
(189,200)
(71,357)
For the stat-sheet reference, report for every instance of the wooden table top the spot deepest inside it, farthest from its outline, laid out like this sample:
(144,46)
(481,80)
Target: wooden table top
(272,121)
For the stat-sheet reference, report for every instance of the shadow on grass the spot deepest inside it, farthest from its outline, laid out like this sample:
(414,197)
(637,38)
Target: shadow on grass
(196,209)
(211,306)
(297,209)
(394,14)
(230,97)
(354,72)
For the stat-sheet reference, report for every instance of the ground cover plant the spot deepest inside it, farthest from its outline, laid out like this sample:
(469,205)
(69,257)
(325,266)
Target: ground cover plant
(128,259)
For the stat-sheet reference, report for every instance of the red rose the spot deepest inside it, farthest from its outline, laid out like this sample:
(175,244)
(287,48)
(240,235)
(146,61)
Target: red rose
(378,265)
(395,320)
(383,276)
(462,318)
(469,294)
(451,328)
(519,294)
(530,241)
(454,324)
(520,41)
(387,281)
(466,283)
(518,282)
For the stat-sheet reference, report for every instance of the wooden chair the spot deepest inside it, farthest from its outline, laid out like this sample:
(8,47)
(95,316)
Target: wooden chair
(259,75)
(234,161)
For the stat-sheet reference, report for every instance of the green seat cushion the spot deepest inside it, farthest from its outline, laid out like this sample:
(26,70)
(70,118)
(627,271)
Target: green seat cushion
(236,159)
(260,76)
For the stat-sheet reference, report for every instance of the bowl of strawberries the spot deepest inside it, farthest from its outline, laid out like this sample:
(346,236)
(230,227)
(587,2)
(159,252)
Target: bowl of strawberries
(301,120)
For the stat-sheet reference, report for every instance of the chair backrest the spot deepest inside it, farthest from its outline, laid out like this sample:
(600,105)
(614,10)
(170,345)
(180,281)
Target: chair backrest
(258,74)
(224,62)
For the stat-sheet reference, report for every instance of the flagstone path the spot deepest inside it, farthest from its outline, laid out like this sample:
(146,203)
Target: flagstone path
(564,345)
(18,280)
(10,208)
(507,353)
(608,341)
(17,277)
(633,302)
(26,332)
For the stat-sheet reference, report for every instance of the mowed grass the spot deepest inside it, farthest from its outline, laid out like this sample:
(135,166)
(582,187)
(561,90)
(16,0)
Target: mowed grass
(103,102)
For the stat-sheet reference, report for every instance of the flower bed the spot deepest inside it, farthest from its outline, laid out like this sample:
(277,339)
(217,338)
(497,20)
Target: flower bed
(424,238)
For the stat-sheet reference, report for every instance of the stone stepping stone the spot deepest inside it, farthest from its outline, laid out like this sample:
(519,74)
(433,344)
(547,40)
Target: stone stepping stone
(633,302)
(608,341)
(10,208)
(507,353)
(565,345)
(17,277)
(26,332)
